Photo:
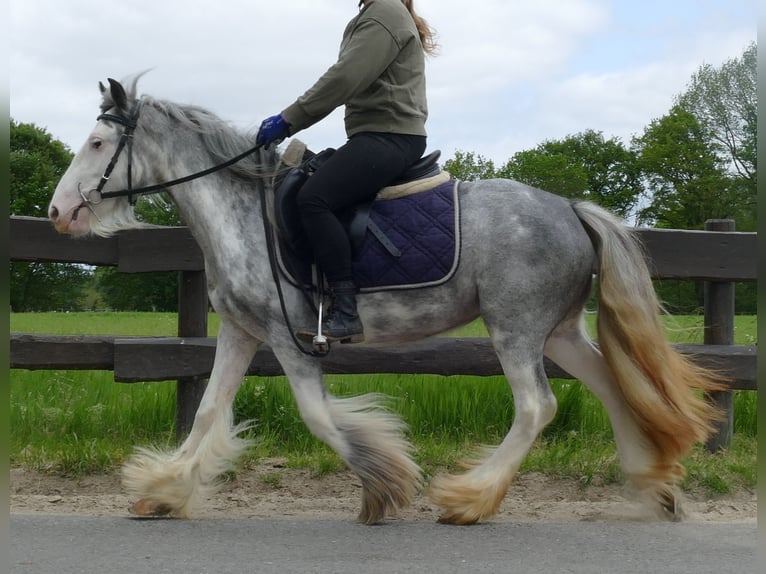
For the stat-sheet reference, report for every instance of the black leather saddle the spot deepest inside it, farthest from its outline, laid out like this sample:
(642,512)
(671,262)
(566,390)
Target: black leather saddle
(356,219)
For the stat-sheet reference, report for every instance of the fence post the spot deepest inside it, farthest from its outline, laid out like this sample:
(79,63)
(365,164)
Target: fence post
(719,330)
(192,322)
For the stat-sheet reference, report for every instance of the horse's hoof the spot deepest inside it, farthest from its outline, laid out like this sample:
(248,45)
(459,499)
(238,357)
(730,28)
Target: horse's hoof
(148,507)
(456,520)
(671,507)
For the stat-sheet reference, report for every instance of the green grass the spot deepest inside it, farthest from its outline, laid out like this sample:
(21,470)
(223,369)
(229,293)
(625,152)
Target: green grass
(125,324)
(81,422)
(683,328)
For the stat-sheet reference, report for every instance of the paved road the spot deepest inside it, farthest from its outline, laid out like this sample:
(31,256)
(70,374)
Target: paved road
(69,544)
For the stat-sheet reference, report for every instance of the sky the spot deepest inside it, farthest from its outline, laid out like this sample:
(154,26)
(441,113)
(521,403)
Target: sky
(510,74)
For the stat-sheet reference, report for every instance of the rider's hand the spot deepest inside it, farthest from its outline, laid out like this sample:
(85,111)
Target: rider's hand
(273,130)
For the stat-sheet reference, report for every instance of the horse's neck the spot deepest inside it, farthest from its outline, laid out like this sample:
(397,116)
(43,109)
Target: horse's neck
(222,210)
(223,214)
(218,210)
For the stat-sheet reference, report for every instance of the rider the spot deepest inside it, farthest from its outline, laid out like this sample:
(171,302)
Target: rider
(380,77)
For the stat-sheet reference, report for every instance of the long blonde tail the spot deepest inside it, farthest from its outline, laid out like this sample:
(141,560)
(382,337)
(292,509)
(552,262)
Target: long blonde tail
(661,386)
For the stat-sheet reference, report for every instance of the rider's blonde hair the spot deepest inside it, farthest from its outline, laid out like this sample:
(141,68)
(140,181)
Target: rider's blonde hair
(427,34)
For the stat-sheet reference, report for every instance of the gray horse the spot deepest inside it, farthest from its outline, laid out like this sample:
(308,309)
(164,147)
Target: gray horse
(526,268)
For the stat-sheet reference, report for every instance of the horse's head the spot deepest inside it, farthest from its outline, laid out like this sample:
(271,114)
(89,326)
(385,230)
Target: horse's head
(77,207)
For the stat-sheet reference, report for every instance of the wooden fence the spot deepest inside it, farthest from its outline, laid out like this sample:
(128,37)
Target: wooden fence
(719,256)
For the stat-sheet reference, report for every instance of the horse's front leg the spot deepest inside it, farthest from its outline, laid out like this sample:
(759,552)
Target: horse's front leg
(368,438)
(176,482)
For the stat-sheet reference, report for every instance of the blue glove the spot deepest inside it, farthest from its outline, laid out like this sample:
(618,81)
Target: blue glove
(272,130)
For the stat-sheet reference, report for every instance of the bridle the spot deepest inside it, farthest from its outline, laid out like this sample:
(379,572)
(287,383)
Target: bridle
(126,140)
(130,124)
(95,196)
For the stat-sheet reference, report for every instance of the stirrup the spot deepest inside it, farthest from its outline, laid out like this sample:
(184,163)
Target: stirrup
(319,341)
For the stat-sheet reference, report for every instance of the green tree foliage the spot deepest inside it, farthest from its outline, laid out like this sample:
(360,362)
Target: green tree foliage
(724,101)
(700,158)
(137,291)
(467,166)
(37,162)
(699,161)
(553,172)
(582,166)
(688,182)
(39,286)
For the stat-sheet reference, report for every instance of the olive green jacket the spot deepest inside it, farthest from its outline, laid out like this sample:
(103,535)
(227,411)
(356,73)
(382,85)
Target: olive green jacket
(379,76)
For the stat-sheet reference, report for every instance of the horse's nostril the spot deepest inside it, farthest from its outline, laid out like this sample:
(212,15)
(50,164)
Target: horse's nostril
(53,213)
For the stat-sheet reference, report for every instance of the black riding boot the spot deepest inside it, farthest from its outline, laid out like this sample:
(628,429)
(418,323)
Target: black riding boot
(342,322)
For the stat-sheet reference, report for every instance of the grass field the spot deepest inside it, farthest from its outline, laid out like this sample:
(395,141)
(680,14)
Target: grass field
(79,422)
(684,328)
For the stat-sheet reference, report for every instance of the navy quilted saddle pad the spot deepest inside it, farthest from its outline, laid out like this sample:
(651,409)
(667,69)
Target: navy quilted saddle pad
(421,247)
(425,230)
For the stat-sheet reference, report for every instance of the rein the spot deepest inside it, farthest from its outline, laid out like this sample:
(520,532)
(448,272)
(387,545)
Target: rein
(126,139)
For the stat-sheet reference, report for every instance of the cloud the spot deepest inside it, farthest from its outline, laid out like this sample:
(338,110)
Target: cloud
(511,73)
(495,44)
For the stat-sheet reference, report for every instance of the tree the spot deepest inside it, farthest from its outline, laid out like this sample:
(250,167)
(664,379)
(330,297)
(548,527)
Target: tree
(467,166)
(137,291)
(700,158)
(725,103)
(687,180)
(36,286)
(37,162)
(583,166)
(700,162)
(552,172)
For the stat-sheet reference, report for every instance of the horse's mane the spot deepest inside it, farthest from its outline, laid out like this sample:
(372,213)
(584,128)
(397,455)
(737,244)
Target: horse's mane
(220,139)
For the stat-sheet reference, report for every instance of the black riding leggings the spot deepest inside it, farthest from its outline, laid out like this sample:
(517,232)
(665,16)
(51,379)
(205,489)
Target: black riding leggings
(353,174)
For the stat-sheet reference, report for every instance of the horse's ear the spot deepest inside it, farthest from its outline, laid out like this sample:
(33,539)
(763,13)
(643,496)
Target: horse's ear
(119,97)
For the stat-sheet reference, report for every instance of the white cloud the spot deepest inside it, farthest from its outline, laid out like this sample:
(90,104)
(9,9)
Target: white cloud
(511,73)
(494,44)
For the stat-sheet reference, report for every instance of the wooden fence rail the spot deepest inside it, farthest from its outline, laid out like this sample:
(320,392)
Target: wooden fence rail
(719,257)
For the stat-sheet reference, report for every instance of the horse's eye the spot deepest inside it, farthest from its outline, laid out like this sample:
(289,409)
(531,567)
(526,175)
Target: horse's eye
(96,144)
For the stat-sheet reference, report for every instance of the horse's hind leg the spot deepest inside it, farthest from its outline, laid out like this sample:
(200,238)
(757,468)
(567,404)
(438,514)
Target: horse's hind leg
(367,437)
(175,482)
(476,494)
(571,349)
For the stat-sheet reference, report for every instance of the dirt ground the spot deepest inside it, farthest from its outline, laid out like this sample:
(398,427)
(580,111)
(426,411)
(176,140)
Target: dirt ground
(270,490)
